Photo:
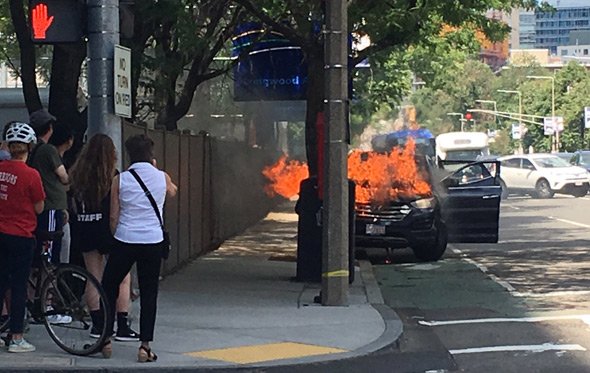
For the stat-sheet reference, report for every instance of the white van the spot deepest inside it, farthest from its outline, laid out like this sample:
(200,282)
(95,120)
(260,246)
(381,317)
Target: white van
(462,146)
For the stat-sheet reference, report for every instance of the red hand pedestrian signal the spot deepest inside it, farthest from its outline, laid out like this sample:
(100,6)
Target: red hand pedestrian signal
(468,116)
(40,21)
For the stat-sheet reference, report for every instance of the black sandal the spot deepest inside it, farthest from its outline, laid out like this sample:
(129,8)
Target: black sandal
(145,355)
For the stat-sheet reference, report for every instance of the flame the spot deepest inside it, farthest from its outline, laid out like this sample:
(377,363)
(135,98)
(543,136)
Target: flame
(382,177)
(379,177)
(284,177)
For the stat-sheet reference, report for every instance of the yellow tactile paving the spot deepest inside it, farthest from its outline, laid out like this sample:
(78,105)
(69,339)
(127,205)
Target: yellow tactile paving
(265,352)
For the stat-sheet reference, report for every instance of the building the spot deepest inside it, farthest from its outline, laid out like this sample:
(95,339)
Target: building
(578,46)
(552,29)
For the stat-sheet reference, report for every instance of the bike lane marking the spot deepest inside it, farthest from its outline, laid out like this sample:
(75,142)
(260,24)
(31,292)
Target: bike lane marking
(525,348)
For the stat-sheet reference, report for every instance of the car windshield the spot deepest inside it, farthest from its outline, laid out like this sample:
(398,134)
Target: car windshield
(463,155)
(551,162)
(585,158)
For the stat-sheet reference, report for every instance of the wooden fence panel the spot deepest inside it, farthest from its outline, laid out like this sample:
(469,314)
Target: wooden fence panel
(196,180)
(171,166)
(183,197)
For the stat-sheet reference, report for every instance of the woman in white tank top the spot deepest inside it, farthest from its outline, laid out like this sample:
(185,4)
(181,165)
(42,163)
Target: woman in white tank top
(138,236)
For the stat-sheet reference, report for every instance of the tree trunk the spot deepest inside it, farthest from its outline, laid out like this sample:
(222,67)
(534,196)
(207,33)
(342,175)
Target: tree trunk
(315,105)
(27,56)
(63,90)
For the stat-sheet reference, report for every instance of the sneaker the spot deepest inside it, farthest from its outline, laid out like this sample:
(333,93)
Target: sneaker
(94,333)
(20,346)
(58,319)
(126,334)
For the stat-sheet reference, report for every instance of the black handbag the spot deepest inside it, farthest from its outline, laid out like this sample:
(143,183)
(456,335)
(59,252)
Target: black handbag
(166,245)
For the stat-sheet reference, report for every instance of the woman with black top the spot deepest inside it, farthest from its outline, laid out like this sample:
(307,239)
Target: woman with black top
(91,177)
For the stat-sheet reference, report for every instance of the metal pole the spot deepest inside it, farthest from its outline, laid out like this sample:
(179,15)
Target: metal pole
(103,34)
(553,113)
(520,145)
(335,220)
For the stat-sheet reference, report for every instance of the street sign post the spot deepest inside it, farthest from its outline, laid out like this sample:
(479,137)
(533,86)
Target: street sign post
(122,79)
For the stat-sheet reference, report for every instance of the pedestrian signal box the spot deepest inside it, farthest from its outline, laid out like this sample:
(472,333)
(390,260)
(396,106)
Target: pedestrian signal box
(56,21)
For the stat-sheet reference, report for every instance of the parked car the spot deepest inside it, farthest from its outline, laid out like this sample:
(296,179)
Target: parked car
(565,156)
(542,175)
(463,207)
(581,158)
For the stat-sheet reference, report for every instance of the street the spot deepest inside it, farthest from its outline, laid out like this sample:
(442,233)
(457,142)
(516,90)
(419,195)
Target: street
(517,306)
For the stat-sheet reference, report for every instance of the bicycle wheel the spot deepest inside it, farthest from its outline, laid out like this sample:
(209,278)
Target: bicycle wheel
(66,312)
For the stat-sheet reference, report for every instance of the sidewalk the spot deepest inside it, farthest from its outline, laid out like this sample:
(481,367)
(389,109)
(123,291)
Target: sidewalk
(238,308)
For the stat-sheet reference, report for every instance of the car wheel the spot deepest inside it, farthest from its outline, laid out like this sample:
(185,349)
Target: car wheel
(580,191)
(504,189)
(543,190)
(435,251)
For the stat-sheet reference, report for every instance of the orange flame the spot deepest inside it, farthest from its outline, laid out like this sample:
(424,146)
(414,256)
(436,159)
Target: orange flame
(379,177)
(285,177)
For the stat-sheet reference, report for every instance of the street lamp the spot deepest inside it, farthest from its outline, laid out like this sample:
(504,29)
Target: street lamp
(520,150)
(552,104)
(462,118)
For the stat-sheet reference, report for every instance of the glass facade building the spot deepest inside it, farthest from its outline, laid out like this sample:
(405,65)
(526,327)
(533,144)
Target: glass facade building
(552,29)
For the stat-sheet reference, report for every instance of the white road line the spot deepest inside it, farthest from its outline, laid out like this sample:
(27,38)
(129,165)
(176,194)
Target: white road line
(570,222)
(559,293)
(527,348)
(584,317)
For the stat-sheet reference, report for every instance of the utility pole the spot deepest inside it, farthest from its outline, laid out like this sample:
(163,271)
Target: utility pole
(335,243)
(103,34)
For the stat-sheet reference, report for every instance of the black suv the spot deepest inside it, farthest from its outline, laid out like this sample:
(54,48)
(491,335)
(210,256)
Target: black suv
(463,207)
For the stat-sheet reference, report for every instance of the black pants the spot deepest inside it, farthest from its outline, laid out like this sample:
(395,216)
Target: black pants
(16,256)
(51,221)
(149,259)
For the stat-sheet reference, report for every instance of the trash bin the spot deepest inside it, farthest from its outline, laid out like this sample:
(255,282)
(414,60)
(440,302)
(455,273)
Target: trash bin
(309,232)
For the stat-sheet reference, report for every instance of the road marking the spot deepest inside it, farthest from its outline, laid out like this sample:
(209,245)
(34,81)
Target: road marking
(584,317)
(265,352)
(527,348)
(514,207)
(570,222)
(559,293)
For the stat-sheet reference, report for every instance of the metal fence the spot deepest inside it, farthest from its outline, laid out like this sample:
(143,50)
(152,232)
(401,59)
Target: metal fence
(220,189)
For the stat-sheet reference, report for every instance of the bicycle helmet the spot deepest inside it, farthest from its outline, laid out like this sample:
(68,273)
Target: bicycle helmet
(20,132)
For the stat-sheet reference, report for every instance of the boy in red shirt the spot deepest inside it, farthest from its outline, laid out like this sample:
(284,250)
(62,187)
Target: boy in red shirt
(21,200)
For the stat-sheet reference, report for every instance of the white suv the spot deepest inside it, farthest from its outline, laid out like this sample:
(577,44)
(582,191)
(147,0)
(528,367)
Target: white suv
(542,175)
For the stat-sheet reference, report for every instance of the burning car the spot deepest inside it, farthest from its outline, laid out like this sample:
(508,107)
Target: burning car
(404,199)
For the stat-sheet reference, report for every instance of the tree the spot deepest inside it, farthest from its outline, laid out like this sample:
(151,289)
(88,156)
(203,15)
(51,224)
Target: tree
(387,24)
(174,48)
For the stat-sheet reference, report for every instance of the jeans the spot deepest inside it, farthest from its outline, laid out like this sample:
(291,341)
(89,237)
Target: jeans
(149,259)
(16,256)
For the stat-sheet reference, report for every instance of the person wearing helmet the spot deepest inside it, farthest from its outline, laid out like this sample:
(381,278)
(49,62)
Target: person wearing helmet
(4,153)
(45,159)
(21,200)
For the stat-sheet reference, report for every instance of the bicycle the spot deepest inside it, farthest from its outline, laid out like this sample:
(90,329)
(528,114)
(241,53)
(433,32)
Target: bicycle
(59,302)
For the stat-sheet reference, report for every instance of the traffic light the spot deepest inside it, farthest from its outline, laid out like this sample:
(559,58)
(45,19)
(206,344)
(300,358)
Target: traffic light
(468,116)
(56,21)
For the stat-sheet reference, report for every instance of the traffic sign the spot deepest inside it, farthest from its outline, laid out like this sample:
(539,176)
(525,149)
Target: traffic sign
(516,131)
(587,117)
(552,124)
(122,79)
(56,21)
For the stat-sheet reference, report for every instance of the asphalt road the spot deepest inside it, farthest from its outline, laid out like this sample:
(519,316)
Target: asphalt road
(522,305)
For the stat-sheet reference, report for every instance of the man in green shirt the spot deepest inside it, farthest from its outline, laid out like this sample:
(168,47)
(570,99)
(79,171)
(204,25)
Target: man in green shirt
(45,159)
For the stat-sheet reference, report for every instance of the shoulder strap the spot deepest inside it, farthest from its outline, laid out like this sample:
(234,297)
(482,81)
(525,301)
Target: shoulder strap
(148,195)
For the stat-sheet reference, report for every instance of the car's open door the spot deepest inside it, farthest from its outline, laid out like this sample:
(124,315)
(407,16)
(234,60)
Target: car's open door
(470,199)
